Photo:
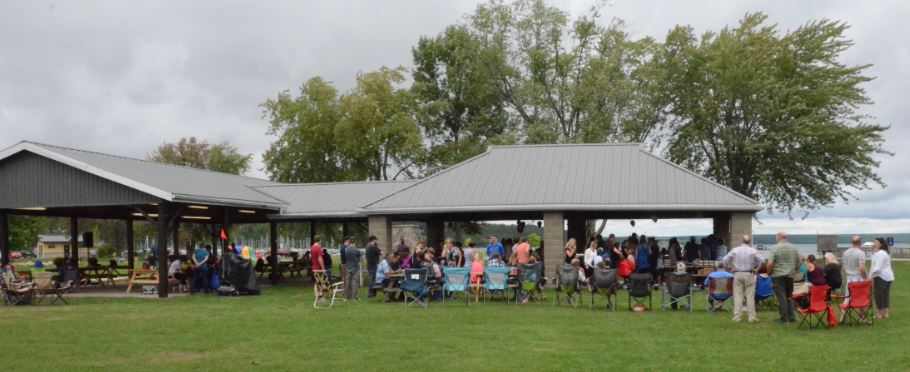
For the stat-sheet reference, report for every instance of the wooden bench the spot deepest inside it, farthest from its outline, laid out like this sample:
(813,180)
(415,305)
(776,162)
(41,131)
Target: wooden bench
(142,277)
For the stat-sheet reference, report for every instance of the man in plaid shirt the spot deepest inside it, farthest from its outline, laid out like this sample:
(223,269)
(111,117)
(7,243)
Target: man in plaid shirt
(784,262)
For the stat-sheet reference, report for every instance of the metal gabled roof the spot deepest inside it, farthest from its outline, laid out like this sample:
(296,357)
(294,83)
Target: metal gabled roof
(335,199)
(165,181)
(590,177)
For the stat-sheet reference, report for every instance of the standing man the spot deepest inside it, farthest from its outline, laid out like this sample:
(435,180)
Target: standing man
(373,255)
(316,254)
(200,270)
(402,245)
(495,247)
(523,251)
(691,250)
(352,258)
(784,262)
(745,262)
(343,267)
(854,264)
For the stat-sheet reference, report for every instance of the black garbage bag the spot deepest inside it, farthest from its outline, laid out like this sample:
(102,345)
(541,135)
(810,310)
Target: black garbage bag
(239,274)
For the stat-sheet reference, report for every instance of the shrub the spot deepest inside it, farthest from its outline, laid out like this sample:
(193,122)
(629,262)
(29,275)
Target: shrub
(534,240)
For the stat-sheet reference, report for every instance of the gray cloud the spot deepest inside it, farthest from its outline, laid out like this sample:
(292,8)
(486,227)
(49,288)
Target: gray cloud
(124,77)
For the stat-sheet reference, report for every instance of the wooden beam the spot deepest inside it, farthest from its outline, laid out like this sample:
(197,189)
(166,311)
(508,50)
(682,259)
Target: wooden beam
(163,214)
(176,237)
(4,237)
(130,244)
(74,239)
(273,244)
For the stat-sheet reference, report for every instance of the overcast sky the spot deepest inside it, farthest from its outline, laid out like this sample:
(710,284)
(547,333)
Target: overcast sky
(125,76)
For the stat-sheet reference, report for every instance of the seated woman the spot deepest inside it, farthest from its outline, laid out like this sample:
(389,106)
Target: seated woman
(832,272)
(476,268)
(627,265)
(583,280)
(816,274)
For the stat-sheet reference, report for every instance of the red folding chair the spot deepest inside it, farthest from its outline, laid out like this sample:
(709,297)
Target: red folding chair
(817,313)
(857,307)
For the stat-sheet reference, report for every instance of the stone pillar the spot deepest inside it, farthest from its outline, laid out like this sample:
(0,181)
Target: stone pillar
(578,229)
(381,228)
(436,230)
(553,241)
(732,226)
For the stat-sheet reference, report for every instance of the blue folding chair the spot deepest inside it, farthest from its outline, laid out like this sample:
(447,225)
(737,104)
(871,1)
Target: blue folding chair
(764,295)
(496,281)
(457,279)
(414,287)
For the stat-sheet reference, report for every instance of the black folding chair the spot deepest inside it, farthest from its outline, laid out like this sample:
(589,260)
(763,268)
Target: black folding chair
(567,284)
(605,285)
(414,287)
(677,288)
(639,289)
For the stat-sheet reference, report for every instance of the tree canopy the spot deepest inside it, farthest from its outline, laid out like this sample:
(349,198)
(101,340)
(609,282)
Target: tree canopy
(191,152)
(774,115)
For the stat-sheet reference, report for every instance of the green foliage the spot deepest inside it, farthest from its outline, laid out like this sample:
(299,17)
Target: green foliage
(190,152)
(24,231)
(772,115)
(105,250)
(377,133)
(534,240)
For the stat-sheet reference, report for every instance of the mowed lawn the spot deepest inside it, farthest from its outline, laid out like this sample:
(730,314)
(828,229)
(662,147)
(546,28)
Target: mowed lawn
(280,330)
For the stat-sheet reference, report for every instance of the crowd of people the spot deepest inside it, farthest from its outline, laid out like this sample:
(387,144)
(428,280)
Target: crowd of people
(636,254)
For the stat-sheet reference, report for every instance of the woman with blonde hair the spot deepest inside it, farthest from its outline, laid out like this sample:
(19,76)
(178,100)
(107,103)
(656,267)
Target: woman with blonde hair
(570,250)
(832,272)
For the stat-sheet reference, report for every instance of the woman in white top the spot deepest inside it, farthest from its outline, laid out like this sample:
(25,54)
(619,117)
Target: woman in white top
(882,277)
(590,253)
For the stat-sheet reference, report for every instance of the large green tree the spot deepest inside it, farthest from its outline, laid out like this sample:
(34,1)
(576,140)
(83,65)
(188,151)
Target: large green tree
(377,133)
(305,150)
(773,115)
(24,231)
(191,152)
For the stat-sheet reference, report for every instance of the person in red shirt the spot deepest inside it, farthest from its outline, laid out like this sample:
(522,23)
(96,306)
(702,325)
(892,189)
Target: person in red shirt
(316,254)
(627,266)
(523,251)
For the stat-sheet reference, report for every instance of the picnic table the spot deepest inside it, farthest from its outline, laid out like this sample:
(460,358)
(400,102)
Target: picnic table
(142,276)
(394,287)
(102,274)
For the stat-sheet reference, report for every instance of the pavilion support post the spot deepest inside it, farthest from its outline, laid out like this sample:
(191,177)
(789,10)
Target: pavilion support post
(436,230)
(553,240)
(740,224)
(313,227)
(176,237)
(344,230)
(4,237)
(130,244)
(381,228)
(74,239)
(163,215)
(273,244)
(578,229)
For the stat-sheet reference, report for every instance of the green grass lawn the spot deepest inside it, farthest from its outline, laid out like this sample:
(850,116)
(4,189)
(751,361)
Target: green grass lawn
(280,330)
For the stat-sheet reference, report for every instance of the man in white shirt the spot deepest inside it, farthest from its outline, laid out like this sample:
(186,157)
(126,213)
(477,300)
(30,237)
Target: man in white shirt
(744,262)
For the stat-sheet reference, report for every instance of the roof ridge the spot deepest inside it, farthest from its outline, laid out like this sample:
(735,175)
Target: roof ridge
(567,145)
(335,183)
(422,180)
(142,160)
(715,183)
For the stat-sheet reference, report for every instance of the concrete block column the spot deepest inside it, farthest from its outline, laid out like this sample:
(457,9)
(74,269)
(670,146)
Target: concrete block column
(722,228)
(554,237)
(381,228)
(732,226)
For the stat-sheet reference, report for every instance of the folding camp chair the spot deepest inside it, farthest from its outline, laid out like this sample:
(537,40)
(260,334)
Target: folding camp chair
(605,286)
(817,313)
(16,294)
(45,287)
(456,280)
(857,306)
(323,288)
(567,284)
(639,289)
(414,287)
(720,291)
(529,276)
(764,295)
(496,281)
(677,288)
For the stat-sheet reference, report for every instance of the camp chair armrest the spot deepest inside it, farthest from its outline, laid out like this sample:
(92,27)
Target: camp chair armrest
(799,296)
(839,297)
(337,284)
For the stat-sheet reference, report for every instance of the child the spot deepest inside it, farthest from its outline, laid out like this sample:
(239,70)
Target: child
(476,268)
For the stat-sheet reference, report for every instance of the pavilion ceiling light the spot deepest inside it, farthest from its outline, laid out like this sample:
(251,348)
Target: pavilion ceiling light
(143,215)
(197,217)
(33,209)
(246,211)
(198,207)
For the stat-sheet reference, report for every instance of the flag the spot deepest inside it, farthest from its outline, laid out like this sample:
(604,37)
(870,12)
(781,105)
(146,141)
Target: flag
(223,235)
